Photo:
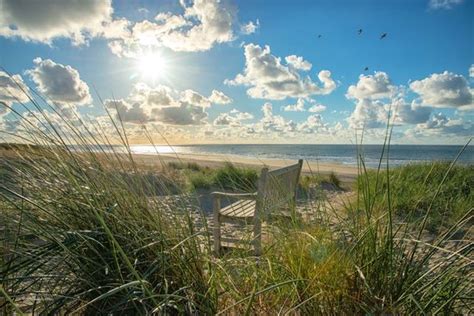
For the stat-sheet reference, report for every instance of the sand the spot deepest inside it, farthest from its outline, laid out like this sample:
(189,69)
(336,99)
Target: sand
(345,173)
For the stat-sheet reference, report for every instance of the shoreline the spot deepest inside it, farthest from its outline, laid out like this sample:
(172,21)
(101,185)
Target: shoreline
(346,173)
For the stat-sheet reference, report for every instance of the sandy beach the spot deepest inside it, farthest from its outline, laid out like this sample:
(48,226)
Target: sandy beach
(345,173)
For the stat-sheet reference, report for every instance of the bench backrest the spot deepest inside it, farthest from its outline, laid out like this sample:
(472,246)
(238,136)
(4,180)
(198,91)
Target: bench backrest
(277,188)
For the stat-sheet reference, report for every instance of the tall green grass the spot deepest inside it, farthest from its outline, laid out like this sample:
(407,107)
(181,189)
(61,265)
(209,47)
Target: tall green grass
(414,187)
(227,177)
(92,232)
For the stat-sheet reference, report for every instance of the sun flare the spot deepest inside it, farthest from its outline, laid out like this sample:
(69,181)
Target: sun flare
(152,66)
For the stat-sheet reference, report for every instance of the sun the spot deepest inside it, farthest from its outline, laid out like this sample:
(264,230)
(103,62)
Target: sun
(152,66)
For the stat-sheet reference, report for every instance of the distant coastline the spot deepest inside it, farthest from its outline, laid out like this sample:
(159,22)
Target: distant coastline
(345,155)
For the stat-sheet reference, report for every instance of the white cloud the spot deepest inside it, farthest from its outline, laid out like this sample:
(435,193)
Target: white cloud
(297,107)
(61,84)
(193,97)
(317,108)
(44,21)
(250,27)
(298,62)
(313,124)
(405,113)
(471,71)
(219,97)
(368,114)
(444,90)
(377,86)
(183,114)
(443,4)
(371,112)
(129,112)
(273,123)
(267,78)
(204,24)
(272,127)
(12,89)
(118,28)
(161,105)
(439,125)
(158,96)
(233,118)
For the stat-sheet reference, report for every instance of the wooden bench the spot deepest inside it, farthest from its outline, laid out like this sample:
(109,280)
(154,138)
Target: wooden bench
(276,190)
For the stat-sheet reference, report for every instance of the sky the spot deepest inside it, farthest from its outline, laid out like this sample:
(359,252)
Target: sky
(208,71)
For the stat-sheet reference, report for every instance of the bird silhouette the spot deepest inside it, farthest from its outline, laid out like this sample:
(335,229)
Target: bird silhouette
(360,31)
(366,68)
(319,36)
(384,35)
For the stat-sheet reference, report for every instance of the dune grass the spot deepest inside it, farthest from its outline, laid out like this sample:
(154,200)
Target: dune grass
(228,177)
(90,232)
(413,188)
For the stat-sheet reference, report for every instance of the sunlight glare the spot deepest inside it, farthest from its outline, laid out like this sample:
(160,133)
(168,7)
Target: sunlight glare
(152,66)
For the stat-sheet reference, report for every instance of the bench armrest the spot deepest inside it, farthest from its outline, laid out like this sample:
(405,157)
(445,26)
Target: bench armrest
(242,196)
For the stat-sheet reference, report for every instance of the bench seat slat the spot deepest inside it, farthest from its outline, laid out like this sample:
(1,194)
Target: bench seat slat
(235,207)
(241,208)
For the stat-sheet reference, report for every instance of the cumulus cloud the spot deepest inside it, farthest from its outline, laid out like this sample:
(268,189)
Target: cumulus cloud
(250,27)
(193,97)
(440,125)
(444,4)
(376,86)
(368,114)
(298,62)
(44,21)
(129,112)
(161,104)
(375,113)
(317,108)
(313,124)
(203,24)
(378,100)
(370,111)
(268,78)
(61,84)
(297,107)
(273,123)
(183,114)
(233,118)
(271,126)
(444,90)
(12,89)
(219,97)
(409,113)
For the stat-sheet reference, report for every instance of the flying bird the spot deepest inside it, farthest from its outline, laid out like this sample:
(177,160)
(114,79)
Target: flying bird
(319,35)
(360,31)
(366,68)
(384,35)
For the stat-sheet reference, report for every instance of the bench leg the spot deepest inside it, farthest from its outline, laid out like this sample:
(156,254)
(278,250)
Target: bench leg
(217,226)
(257,236)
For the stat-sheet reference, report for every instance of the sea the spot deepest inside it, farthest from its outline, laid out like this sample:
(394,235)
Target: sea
(341,154)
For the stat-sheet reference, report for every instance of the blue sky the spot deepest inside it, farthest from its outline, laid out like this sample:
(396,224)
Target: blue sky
(419,73)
